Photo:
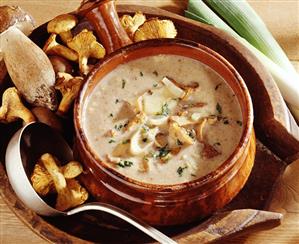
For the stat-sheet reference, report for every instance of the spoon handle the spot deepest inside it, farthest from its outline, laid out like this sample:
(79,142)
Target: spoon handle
(147,229)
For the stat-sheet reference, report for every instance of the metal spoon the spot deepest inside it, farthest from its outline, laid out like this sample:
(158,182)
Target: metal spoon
(25,147)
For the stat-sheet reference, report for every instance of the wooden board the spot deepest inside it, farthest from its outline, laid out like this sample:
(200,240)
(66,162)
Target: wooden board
(276,170)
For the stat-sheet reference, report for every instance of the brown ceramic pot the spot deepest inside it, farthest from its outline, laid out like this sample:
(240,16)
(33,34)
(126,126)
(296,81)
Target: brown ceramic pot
(168,204)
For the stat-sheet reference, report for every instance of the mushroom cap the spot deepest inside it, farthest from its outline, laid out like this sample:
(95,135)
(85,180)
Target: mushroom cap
(16,16)
(62,23)
(85,44)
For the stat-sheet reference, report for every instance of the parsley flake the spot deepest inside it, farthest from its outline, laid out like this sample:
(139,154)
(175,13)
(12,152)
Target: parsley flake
(123,84)
(219,108)
(111,141)
(217,86)
(124,163)
(141,74)
(126,141)
(161,153)
(239,122)
(155,73)
(164,110)
(225,121)
(116,101)
(180,170)
(178,142)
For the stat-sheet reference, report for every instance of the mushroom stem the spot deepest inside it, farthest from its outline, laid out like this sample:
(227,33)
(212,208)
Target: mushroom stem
(83,65)
(54,48)
(66,36)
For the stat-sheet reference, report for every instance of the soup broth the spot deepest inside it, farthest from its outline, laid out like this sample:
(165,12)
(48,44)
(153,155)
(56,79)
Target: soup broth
(163,119)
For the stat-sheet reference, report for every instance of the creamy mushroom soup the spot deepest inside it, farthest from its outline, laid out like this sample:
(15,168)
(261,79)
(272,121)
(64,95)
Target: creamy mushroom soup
(163,119)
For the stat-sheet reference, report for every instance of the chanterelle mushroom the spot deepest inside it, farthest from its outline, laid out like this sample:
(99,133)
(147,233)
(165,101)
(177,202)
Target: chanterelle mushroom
(70,192)
(42,181)
(86,45)
(53,47)
(69,87)
(155,28)
(13,109)
(131,24)
(62,26)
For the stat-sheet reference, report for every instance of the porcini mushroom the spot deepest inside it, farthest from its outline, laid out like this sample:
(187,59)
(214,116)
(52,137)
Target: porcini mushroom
(62,26)
(13,109)
(14,15)
(69,87)
(86,45)
(28,66)
(53,47)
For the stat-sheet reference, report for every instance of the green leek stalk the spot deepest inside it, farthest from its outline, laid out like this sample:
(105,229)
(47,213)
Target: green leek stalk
(284,74)
(245,21)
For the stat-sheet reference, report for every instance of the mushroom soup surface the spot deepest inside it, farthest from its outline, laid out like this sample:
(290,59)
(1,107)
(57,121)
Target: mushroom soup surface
(163,119)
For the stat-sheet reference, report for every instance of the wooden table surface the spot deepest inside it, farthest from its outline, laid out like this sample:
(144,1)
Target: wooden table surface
(282,18)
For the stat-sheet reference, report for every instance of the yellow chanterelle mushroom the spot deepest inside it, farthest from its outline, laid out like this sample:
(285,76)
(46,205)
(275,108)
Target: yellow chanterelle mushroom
(13,109)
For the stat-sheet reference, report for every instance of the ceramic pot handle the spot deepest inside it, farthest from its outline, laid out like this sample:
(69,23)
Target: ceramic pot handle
(103,17)
(103,207)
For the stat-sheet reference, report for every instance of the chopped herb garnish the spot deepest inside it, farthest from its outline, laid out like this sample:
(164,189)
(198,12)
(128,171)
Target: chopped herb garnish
(144,139)
(164,110)
(116,100)
(239,122)
(111,141)
(181,169)
(125,163)
(141,74)
(126,141)
(178,142)
(217,86)
(194,175)
(225,121)
(191,134)
(155,73)
(123,84)
(163,152)
(219,108)
(155,85)
(126,124)
(118,127)
(145,129)
(111,115)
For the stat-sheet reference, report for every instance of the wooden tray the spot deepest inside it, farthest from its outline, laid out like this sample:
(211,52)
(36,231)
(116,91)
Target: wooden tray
(274,126)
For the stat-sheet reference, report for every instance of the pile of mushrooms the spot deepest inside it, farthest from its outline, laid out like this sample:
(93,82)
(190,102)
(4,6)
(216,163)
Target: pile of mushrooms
(50,178)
